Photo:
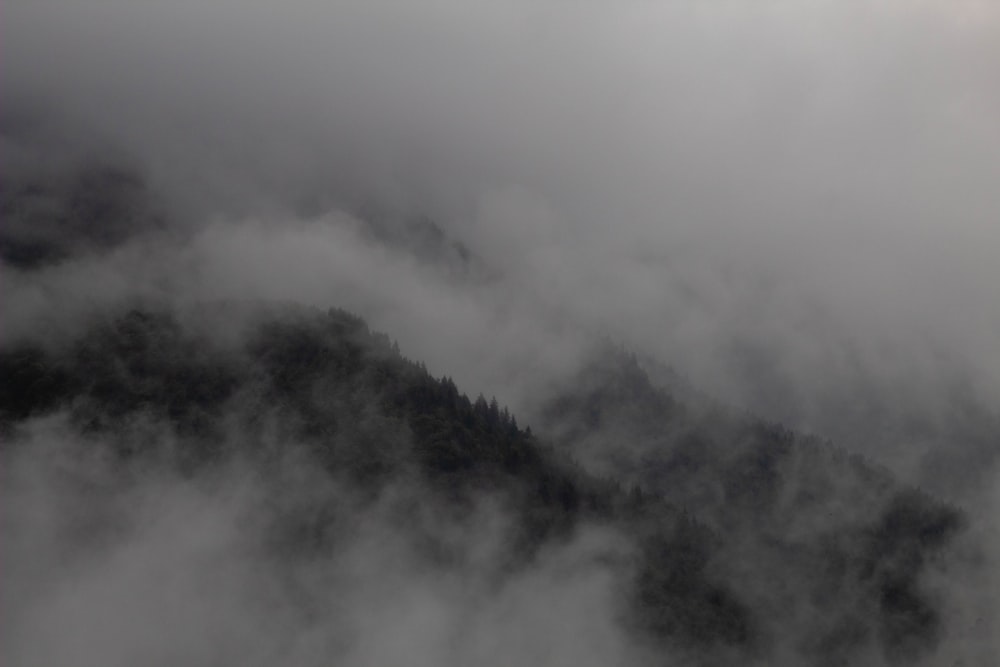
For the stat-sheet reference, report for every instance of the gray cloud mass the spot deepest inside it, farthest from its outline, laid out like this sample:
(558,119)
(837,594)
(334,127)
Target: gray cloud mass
(795,205)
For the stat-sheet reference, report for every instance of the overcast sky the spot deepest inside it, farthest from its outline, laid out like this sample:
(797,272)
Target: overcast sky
(814,180)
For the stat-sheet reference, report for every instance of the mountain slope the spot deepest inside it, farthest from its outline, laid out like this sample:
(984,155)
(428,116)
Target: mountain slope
(831,533)
(780,541)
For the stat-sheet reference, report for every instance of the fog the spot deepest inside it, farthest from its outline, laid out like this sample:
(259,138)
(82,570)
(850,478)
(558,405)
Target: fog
(813,178)
(112,565)
(794,205)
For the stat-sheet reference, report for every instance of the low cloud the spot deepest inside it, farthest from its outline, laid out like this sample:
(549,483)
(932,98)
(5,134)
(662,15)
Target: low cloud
(112,564)
(795,206)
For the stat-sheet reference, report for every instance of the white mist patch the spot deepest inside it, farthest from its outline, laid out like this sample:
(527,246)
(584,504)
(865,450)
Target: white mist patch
(112,565)
(812,183)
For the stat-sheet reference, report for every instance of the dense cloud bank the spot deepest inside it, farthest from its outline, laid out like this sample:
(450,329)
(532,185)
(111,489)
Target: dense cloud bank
(792,204)
(784,209)
(301,435)
(113,567)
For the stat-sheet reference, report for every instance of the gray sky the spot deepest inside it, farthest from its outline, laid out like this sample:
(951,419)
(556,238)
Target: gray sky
(815,180)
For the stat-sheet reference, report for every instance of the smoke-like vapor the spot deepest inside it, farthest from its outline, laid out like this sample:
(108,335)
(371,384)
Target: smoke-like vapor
(113,566)
(813,182)
(794,206)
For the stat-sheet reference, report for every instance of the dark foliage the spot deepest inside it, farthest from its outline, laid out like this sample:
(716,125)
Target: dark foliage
(365,414)
(676,596)
(90,207)
(789,508)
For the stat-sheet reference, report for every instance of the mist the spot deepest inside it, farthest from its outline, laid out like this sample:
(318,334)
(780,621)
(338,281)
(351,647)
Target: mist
(113,567)
(794,207)
(817,179)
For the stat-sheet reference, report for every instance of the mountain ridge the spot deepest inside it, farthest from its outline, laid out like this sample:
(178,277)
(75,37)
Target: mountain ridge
(364,413)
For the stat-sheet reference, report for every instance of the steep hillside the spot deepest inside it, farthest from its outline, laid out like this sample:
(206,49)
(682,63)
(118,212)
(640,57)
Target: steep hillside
(846,546)
(747,541)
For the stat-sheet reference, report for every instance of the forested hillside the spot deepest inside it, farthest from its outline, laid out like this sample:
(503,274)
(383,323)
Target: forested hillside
(749,540)
(490,333)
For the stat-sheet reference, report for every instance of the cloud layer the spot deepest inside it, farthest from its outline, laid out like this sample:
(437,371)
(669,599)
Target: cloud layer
(795,205)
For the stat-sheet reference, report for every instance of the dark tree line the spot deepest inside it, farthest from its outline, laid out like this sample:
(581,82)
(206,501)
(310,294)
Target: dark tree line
(716,484)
